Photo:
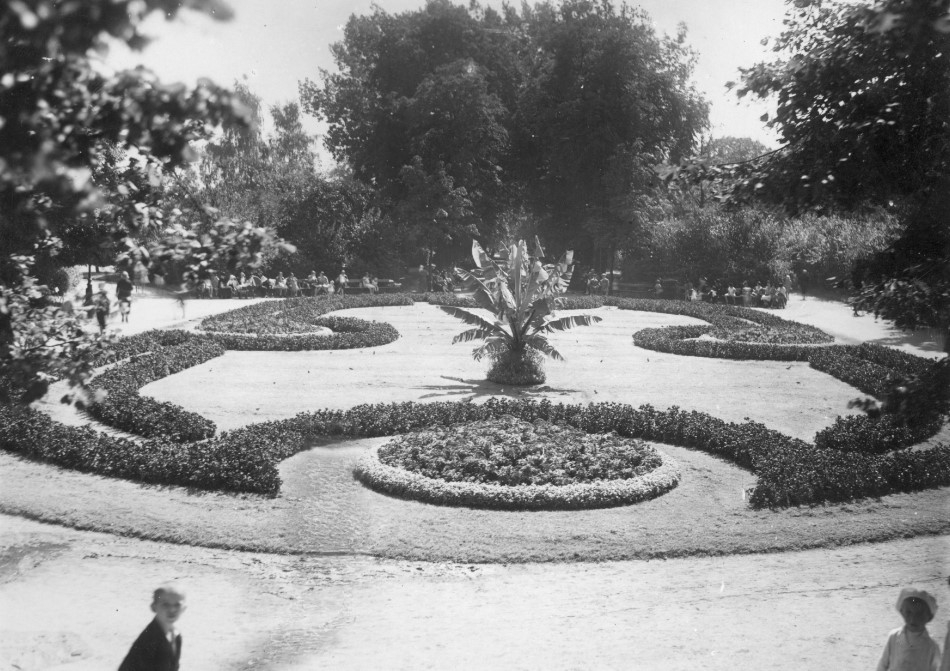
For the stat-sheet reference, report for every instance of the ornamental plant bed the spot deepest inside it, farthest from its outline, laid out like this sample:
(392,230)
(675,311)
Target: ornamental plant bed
(789,471)
(123,407)
(292,315)
(511,452)
(512,464)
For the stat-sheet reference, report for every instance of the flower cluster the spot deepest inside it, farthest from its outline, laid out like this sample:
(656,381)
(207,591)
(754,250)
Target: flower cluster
(372,472)
(512,452)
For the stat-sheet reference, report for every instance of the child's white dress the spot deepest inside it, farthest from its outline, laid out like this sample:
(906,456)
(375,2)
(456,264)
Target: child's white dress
(909,651)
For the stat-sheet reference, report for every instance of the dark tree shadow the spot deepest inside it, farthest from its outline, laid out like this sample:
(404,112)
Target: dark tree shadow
(471,389)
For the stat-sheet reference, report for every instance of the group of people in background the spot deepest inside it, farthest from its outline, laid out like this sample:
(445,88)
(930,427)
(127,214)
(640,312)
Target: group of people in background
(257,284)
(597,285)
(768,295)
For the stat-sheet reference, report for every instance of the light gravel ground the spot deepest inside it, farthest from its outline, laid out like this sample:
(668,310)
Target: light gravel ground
(75,600)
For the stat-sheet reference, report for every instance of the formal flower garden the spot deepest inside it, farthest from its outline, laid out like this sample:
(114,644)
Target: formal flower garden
(567,456)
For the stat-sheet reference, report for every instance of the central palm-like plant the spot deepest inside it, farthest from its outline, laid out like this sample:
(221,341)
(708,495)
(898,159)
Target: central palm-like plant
(521,294)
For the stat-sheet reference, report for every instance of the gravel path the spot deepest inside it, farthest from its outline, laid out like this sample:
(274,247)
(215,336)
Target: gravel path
(828,609)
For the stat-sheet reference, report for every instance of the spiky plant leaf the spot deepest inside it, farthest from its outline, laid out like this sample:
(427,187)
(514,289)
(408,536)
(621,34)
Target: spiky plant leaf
(540,343)
(565,323)
(473,334)
(469,317)
(494,345)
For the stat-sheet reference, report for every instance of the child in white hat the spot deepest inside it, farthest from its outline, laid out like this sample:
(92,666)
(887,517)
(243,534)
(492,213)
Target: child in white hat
(910,648)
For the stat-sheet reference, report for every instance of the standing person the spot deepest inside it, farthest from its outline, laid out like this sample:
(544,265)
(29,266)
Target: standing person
(123,292)
(293,287)
(158,647)
(658,288)
(910,648)
(604,285)
(88,298)
(102,306)
(340,282)
(593,284)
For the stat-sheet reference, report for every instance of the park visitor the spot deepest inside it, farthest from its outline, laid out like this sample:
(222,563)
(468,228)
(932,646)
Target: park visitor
(158,647)
(910,648)
(101,307)
(123,293)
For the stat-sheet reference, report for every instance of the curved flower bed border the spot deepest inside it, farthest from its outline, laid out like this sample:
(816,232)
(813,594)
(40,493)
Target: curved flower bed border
(581,496)
(789,471)
(123,408)
(171,352)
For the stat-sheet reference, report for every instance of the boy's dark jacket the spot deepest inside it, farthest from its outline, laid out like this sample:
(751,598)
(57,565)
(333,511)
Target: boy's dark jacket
(152,651)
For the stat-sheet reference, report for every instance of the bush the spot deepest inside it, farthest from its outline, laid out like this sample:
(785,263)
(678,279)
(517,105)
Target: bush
(225,464)
(521,368)
(292,315)
(123,407)
(579,302)
(768,337)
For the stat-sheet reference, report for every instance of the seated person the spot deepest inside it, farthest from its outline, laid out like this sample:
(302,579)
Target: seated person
(257,284)
(731,295)
(780,300)
(367,283)
(323,285)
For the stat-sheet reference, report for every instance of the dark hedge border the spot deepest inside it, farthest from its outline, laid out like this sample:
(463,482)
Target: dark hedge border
(174,351)
(259,318)
(789,471)
(225,463)
(348,333)
(871,368)
(123,408)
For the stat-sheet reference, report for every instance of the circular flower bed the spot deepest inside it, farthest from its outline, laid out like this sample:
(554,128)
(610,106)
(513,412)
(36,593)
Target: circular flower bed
(508,463)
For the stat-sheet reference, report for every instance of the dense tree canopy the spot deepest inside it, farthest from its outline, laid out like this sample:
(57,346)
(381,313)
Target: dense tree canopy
(70,137)
(457,115)
(863,106)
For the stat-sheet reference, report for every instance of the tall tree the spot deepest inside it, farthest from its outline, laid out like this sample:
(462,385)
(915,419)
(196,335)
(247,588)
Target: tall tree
(606,98)
(863,94)
(453,113)
(59,120)
(419,109)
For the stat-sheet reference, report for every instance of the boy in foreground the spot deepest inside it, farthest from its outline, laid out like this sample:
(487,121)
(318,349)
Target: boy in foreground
(158,647)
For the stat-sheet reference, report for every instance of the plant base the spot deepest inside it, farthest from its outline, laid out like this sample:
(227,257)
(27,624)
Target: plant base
(521,368)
